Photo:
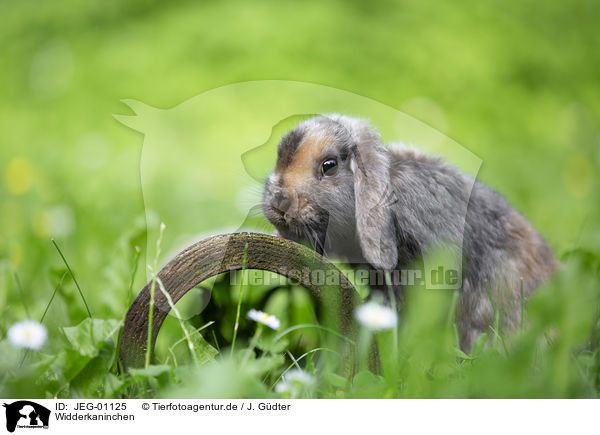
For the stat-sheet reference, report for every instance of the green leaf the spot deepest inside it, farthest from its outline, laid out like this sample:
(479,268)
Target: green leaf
(155,377)
(73,363)
(204,351)
(88,382)
(113,386)
(44,363)
(90,335)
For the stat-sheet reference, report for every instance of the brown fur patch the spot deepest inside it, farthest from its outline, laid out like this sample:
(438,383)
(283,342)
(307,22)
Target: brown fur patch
(535,260)
(302,164)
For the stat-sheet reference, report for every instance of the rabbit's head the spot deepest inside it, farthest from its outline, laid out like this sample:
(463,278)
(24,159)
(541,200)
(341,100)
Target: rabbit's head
(331,187)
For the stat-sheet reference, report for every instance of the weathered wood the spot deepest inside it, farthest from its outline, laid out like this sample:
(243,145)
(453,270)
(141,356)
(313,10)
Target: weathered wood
(224,253)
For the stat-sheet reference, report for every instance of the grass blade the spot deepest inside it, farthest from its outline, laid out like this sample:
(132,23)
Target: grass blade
(53,295)
(242,287)
(186,333)
(72,276)
(22,293)
(136,262)
(152,291)
(58,286)
(295,361)
(311,325)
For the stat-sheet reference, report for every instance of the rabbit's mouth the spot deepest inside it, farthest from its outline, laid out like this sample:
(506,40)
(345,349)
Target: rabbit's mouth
(306,224)
(298,231)
(312,232)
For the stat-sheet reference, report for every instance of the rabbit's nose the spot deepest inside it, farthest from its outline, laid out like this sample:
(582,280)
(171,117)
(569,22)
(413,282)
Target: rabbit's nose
(282,203)
(285,205)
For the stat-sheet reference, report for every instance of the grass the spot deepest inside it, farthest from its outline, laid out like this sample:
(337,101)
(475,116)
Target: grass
(515,84)
(553,356)
(154,272)
(72,276)
(240,298)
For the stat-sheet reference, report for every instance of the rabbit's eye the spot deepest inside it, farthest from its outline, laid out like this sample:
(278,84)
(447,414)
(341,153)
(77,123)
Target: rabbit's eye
(329,167)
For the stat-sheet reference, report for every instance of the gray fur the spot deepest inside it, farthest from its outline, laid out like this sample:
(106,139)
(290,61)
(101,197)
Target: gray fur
(387,206)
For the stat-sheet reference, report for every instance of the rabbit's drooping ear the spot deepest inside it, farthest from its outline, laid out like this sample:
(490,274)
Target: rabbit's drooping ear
(375,199)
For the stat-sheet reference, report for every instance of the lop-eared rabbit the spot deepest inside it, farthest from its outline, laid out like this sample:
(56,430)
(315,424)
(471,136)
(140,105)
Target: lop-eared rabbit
(337,186)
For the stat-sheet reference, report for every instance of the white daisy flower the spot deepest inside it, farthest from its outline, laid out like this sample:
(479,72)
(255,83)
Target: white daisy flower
(376,317)
(28,333)
(265,318)
(294,382)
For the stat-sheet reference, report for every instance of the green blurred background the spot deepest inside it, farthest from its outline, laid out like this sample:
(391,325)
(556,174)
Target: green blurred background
(516,82)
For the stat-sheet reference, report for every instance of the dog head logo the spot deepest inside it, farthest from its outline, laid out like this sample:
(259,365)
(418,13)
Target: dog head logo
(26,414)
